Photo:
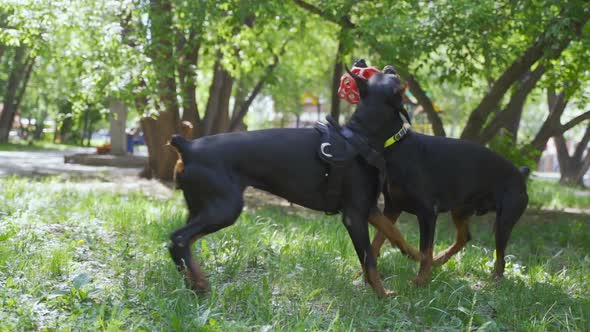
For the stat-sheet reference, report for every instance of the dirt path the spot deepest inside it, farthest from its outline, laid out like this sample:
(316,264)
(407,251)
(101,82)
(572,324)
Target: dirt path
(46,163)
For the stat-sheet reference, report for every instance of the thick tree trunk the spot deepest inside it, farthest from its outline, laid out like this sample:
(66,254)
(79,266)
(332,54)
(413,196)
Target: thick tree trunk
(11,99)
(118,122)
(216,118)
(435,120)
(161,157)
(573,167)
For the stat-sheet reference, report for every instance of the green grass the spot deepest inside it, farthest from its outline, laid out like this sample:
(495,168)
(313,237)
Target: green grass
(74,258)
(552,195)
(35,146)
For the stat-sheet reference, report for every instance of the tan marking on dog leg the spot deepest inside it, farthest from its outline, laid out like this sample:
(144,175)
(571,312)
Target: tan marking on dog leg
(194,275)
(387,229)
(462,226)
(425,269)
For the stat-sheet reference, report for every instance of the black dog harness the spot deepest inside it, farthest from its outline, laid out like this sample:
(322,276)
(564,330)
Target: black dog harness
(339,146)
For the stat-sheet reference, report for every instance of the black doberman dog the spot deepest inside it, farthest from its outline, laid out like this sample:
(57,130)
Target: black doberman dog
(215,171)
(427,175)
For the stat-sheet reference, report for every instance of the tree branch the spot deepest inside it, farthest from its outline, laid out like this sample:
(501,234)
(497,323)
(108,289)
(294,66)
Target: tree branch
(519,66)
(575,121)
(236,120)
(343,20)
(28,67)
(433,117)
(515,105)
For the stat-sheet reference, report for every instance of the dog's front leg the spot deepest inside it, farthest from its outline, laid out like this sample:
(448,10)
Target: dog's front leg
(427,221)
(358,229)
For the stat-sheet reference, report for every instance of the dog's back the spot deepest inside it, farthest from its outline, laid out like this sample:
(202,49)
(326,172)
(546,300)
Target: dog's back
(451,171)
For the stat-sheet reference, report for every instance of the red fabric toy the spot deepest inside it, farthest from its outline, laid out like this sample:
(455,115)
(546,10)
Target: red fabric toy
(348,89)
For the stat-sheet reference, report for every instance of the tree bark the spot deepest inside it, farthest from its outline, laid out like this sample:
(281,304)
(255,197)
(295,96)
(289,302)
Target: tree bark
(557,104)
(11,97)
(216,118)
(435,120)
(573,167)
(188,50)
(157,133)
(117,132)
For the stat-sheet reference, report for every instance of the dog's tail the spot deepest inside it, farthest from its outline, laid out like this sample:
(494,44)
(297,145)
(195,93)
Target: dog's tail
(525,171)
(180,144)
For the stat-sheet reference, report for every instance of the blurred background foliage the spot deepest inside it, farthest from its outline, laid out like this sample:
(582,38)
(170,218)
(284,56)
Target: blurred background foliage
(508,74)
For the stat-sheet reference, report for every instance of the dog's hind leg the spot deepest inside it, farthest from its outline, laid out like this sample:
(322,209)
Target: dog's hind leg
(461,222)
(427,221)
(215,215)
(386,229)
(512,207)
(358,229)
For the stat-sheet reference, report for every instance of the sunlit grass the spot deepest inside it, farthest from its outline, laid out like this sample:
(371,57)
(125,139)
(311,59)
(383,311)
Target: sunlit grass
(86,260)
(552,195)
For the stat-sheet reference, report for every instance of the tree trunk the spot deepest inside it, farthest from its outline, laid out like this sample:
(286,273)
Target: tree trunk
(188,50)
(240,97)
(118,122)
(216,118)
(162,53)
(65,129)
(158,131)
(435,120)
(10,100)
(573,167)
(40,124)
(161,157)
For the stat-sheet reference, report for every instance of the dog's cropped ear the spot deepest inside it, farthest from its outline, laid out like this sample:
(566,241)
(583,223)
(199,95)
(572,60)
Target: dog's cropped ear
(390,70)
(361,83)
